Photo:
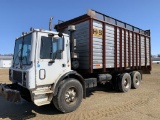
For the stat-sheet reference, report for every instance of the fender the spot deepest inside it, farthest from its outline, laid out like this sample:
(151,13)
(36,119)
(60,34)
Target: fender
(71,74)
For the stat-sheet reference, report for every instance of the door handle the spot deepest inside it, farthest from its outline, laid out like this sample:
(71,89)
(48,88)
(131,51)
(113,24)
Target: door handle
(63,65)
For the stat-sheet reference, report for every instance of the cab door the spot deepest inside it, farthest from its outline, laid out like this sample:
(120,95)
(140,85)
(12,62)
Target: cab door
(50,63)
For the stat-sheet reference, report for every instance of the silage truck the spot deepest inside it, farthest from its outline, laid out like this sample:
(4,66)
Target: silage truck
(57,67)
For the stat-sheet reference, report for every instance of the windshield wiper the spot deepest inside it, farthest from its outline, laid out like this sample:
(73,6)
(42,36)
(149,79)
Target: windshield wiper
(20,50)
(26,60)
(14,60)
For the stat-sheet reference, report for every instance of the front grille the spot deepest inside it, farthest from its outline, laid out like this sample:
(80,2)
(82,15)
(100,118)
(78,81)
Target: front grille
(17,76)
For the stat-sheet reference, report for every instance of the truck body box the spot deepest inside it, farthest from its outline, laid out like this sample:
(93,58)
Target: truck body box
(105,44)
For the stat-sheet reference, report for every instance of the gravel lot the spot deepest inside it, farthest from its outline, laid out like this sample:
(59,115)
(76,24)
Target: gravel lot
(101,103)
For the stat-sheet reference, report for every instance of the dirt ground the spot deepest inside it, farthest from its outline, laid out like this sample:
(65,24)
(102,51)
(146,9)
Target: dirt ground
(100,104)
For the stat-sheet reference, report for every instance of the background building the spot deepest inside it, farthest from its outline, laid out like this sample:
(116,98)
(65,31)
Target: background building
(5,61)
(156,60)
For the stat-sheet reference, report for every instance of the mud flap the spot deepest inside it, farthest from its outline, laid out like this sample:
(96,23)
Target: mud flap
(9,93)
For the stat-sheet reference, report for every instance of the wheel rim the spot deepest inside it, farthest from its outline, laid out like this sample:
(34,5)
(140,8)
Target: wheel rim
(71,95)
(136,80)
(126,83)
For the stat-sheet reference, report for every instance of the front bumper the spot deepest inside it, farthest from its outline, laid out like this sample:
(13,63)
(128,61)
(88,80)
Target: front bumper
(10,93)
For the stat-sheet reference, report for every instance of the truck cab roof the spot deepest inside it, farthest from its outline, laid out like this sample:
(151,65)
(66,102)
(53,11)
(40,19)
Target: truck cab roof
(41,30)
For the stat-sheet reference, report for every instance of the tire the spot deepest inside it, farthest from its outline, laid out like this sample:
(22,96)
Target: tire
(124,82)
(69,96)
(136,79)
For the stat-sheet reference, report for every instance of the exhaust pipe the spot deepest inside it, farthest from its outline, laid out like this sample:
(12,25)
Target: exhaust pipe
(74,54)
(50,23)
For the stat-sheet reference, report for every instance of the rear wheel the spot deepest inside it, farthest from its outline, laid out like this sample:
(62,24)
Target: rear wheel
(136,79)
(124,82)
(69,96)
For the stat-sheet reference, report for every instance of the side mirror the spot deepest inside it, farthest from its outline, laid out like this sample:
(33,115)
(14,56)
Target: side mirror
(60,44)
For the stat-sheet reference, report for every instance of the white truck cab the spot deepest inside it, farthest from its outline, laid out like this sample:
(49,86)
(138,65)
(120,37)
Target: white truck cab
(41,63)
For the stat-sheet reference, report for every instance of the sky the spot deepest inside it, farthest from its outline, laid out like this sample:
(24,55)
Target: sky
(17,16)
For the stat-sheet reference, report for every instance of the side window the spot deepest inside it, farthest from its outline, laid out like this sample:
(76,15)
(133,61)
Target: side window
(46,48)
(55,49)
(49,49)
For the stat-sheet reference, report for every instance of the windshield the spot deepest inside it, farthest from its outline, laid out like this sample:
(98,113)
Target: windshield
(22,50)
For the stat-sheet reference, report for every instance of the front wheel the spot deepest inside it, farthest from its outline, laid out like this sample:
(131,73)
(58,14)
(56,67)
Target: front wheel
(69,96)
